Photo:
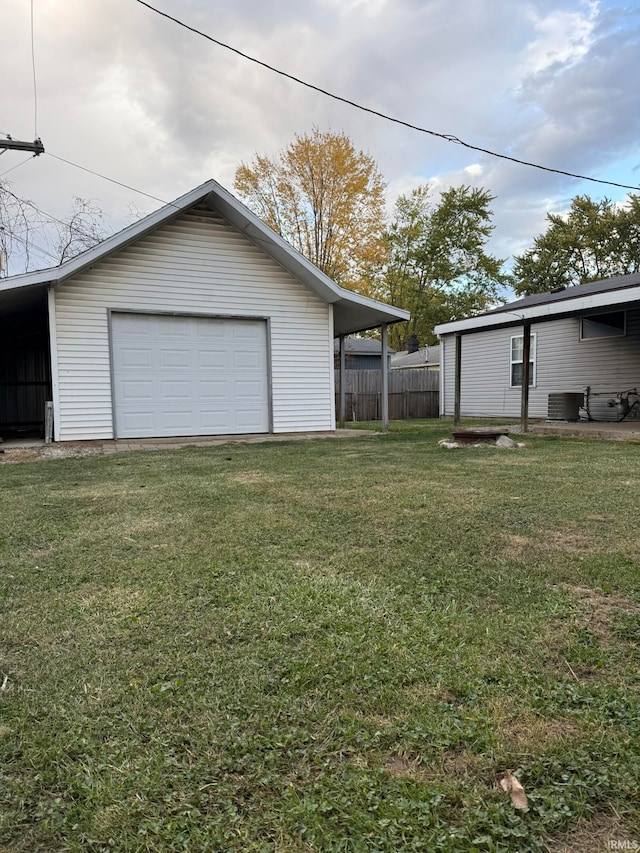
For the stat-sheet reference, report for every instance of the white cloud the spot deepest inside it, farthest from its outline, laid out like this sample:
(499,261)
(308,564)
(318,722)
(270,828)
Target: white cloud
(137,98)
(561,37)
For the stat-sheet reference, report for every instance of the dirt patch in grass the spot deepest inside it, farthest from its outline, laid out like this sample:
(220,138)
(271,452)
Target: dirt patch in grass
(452,764)
(597,610)
(251,478)
(536,733)
(119,601)
(598,834)
(555,542)
(426,692)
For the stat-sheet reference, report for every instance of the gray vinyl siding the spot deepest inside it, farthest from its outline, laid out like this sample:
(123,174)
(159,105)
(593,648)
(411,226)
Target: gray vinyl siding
(197,264)
(564,363)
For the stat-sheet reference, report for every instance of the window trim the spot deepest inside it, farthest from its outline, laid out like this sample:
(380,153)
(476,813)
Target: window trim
(533,357)
(583,317)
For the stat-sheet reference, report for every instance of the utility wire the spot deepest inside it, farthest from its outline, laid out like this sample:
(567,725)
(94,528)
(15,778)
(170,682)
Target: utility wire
(35,86)
(17,166)
(448,137)
(48,216)
(29,244)
(111,180)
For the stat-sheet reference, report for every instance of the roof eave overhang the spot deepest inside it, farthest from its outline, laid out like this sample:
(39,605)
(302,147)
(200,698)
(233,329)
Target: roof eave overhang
(538,313)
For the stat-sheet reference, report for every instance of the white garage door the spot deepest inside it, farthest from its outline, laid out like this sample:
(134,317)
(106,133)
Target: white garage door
(189,376)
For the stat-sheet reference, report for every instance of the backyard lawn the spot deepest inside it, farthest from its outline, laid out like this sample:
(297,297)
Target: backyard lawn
(325,645)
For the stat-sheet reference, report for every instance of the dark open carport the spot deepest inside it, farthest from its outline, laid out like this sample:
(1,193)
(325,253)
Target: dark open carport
(25,363)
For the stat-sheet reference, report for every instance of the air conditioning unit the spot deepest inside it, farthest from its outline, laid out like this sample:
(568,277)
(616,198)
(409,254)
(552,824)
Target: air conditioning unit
(565,407)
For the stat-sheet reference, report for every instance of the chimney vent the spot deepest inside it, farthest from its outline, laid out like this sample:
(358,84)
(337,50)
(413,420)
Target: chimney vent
(413,345)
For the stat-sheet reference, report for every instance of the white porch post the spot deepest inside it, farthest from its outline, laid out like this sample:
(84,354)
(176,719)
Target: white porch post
(526,355)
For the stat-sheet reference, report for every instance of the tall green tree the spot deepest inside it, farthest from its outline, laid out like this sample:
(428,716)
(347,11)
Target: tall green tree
(438,266)
(324,197)
(594,240)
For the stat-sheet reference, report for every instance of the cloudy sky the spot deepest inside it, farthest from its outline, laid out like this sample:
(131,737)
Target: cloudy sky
(132,96)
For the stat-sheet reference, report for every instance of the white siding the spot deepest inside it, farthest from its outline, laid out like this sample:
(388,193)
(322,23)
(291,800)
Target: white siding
(564,363)
(197,264)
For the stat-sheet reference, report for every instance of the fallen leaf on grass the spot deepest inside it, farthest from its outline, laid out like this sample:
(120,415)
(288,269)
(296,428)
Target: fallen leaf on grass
(510,784)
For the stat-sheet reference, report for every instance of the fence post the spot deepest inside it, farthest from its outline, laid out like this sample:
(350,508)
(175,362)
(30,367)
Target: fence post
(343,390)
(385,379)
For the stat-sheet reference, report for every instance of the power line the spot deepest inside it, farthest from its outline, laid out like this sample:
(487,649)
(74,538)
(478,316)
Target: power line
(446,136)
(111,180)
(35,86)
(17,166)
(29,244)
(48,216)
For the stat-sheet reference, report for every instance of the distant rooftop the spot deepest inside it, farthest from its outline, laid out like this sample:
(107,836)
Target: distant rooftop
(360,346)
(428,356)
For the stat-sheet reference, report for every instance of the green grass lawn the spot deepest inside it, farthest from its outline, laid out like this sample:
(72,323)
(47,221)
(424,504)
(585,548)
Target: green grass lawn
(331,645)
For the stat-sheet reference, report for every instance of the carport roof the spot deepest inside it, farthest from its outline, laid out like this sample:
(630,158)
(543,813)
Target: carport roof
(352,312)
(607,294)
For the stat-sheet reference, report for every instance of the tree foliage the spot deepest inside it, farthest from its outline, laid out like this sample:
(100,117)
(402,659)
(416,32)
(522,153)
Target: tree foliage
(81,230)
(29,237)
(326,199)
(438,266)
(16,227)
(594,240)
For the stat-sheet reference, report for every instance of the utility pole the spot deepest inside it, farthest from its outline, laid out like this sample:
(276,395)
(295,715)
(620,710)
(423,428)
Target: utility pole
(17,145)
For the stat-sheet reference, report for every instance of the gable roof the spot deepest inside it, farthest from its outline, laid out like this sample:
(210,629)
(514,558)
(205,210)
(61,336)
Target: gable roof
(352,312)
(609,293)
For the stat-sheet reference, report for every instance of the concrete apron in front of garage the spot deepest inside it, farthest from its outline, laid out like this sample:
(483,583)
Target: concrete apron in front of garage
(28,449)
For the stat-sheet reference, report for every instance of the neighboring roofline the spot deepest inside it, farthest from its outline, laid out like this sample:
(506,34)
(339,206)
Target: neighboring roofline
(567,306)
(219,199)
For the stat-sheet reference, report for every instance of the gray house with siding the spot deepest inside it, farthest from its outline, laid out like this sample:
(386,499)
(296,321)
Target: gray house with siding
(197,320)
(579,337)
(362,354)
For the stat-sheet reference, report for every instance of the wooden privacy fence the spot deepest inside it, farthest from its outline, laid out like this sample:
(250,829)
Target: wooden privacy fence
(412,394)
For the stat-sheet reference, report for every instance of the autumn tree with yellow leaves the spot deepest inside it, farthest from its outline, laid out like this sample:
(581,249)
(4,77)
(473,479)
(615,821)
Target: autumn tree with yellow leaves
(327,200)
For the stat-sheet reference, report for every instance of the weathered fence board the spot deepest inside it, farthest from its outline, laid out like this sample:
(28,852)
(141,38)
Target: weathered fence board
(412,394)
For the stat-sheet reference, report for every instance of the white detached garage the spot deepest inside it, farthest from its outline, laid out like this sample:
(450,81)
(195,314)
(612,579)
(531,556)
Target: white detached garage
(197,320)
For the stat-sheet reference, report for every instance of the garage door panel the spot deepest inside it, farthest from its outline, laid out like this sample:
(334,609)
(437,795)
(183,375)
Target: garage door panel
(214,420)
(139,357)
(138,423)
(189,375)
(172,358)
(246,360)
(246,390)
(137,390)
(175,390)
(216,390)
(213,359)
(171,328)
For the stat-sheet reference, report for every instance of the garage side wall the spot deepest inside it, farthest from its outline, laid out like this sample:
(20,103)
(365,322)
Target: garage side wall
(564,363)
(196,265)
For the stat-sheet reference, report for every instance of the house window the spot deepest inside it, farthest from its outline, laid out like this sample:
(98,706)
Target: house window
(612,325)
(517,343)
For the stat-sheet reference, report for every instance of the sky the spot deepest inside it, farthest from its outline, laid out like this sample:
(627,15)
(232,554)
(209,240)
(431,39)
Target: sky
(128,94)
